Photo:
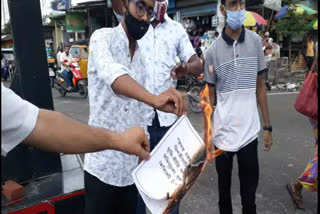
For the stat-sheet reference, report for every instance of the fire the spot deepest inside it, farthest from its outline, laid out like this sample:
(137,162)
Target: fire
(197,165)
(207,109)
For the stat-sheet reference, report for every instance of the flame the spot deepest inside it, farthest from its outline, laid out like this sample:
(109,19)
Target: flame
(207,109)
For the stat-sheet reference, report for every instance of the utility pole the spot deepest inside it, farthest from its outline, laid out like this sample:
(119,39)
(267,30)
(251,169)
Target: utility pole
(31,82)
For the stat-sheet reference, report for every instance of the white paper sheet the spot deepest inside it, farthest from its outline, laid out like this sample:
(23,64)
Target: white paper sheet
(163,173)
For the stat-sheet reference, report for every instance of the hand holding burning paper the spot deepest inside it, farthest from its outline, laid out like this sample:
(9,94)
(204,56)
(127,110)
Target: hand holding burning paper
(175,165)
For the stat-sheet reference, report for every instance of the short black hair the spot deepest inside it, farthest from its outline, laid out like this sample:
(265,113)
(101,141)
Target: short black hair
(223,2)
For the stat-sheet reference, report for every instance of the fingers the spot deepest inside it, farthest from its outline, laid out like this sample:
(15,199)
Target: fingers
(178,71)
(144,149)
(179,104)
(173,75)
(143,155)
(173,98)
(267,145)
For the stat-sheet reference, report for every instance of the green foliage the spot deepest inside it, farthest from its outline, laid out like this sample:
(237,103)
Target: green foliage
(293,25)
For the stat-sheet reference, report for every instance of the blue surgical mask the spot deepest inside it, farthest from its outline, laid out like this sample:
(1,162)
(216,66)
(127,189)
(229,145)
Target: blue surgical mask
(235,19)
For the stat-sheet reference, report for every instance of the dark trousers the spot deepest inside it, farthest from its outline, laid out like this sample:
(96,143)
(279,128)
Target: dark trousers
(67,77)
(107,199)
(156,134)
(309,62)
(248,175)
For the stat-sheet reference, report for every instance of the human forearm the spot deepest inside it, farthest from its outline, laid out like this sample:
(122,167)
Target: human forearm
(262,100)
(169,101)
(128,87)
(58,133)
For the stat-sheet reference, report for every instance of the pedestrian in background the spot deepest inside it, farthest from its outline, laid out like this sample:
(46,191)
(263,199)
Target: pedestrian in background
(309,52)
(59,53)
(309,178)
(4,71)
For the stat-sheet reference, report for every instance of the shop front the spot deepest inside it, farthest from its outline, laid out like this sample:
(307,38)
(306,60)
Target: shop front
(201,12)
(198,18)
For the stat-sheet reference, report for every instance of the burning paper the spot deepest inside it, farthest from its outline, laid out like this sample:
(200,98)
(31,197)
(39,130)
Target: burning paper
(176,163)
(161,179)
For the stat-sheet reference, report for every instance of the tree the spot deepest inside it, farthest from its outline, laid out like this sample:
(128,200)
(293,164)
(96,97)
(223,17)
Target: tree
(293,25)
(7,28)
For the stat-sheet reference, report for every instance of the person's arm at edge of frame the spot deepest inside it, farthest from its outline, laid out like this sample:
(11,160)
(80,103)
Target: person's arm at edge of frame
(56,132)
(263,104)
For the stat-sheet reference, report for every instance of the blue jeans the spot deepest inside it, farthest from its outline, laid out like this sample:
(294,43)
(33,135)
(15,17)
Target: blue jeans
(67,77)
(156,134)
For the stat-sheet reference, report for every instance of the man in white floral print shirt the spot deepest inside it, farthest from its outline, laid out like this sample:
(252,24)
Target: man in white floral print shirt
(116,76)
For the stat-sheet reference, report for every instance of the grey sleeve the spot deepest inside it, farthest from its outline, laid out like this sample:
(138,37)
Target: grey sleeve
(210,75)
(262,66)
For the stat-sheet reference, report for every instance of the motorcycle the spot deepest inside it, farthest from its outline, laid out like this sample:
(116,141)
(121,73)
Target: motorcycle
(79,84)
(194,88)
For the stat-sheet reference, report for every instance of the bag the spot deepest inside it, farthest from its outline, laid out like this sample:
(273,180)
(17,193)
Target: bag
(307,100)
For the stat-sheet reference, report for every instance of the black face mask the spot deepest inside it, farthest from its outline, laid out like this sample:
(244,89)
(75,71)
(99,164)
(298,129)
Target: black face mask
(136,29)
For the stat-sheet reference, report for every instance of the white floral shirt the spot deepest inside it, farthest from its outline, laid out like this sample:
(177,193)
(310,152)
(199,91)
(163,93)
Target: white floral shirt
(161,46)
(109,59)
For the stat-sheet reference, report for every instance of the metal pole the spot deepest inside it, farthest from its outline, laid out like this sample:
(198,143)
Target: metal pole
(32,83)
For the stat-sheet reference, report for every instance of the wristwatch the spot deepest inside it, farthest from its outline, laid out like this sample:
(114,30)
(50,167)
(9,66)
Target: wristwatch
(267,128)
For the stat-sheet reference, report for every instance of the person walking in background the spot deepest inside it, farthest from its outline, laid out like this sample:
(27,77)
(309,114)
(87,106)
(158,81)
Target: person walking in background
(59,53)
(310,52)
(4,71)
(309,178)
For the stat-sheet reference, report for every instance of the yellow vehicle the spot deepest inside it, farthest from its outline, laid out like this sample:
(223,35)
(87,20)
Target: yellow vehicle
(80,55)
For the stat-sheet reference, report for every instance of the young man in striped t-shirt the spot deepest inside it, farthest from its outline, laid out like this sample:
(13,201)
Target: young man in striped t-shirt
(234,65)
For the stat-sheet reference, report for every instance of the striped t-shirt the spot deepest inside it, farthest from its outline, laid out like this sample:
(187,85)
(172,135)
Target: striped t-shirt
(233,67)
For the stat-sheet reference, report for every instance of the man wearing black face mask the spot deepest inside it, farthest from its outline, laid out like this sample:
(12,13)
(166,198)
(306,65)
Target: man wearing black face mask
(116,76)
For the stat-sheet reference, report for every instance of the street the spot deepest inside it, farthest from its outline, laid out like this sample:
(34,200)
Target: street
(293,148)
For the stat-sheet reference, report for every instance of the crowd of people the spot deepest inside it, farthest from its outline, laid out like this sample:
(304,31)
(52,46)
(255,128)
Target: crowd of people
(132,70)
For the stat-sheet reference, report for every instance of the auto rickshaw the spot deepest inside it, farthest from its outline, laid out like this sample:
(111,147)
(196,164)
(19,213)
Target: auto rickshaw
(80,54)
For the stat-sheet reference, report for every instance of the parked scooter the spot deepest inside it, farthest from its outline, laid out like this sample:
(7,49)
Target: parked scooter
(194,88)
(79,84)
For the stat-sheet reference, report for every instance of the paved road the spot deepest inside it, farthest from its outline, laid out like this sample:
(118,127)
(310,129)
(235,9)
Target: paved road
(293,148)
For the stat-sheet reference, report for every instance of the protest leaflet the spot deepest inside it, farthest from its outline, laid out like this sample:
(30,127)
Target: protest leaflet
(159,178)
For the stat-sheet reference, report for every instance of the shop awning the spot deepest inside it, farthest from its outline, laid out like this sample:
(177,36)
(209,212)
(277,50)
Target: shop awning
(202,10)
